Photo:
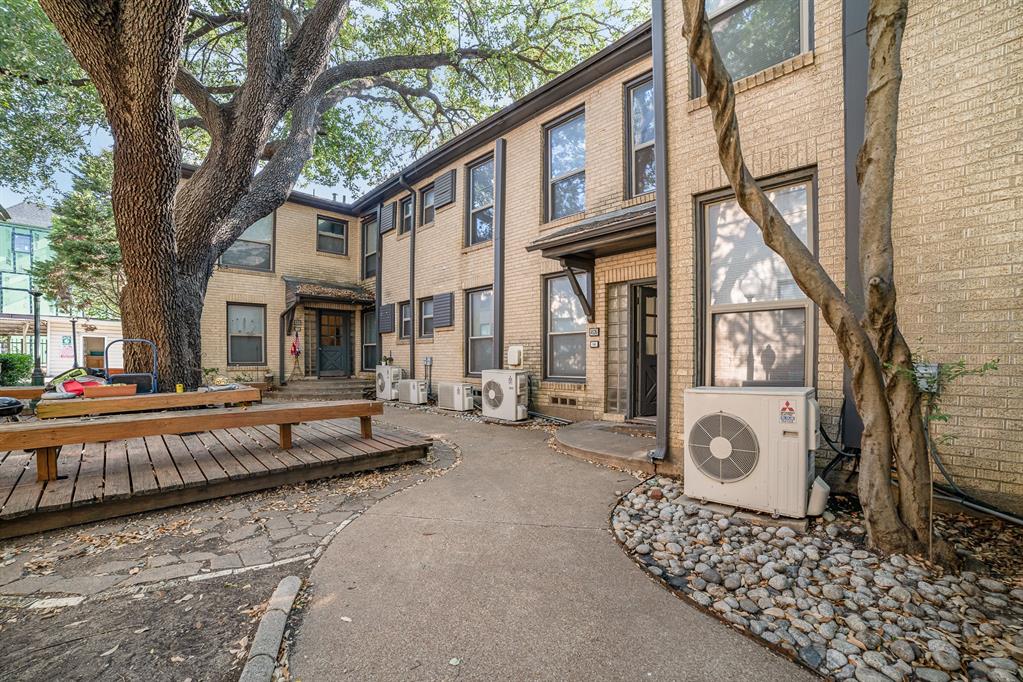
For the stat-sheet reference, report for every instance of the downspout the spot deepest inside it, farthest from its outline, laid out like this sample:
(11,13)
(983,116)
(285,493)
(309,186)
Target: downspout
(411,283)
(500,150)
(378,285)
(661,230)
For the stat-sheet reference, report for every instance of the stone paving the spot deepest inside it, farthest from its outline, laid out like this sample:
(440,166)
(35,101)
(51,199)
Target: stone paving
(196,540)
(177,593)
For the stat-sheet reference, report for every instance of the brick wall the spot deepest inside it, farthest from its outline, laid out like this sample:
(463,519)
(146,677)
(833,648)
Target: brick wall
(445,265)
(957,227)
(296,256)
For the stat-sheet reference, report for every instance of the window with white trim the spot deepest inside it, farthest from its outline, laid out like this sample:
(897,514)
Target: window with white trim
(481,202)
(407,216)
(759,319)
(566,167)
(253,250)
(405,317)
(331,235)
(479,330)
(369,339)
(246,334)
(642,173)
(427,198)
(566,328)
(370,234)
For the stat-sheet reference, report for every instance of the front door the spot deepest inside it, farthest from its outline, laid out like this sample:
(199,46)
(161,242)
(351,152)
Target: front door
(333,348)
(644,350)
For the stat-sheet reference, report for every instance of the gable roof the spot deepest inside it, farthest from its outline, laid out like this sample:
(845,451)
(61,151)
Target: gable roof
(31,213)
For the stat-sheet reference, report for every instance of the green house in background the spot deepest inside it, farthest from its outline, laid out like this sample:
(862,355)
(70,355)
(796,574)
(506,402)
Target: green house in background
(24,240)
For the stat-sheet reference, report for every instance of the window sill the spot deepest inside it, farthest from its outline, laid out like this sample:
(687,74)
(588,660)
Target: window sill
(402,236)
(245,271)
(426,340)
(471,248)
(563,385)
(331,254)
(767,75)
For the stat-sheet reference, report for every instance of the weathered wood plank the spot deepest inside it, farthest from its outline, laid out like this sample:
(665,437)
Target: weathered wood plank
(303,445)
(116,473)
(21,392)
(271,463)
(332,440)
(353,443)
(51,409)
(191,474)
(143,480)
(228,461)
(209,466)
(167,475)
(269,442)
(27,435)
(245,436)
(12,467)
(58,494)
(24,498)
(89,486)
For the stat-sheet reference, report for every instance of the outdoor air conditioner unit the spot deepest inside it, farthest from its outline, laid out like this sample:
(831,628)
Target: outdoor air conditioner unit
(388,377)
(751,447)
(412,391)
(505,394)
(452,396)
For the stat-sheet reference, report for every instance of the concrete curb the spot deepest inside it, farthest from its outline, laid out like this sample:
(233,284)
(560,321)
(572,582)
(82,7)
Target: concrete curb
(263,654)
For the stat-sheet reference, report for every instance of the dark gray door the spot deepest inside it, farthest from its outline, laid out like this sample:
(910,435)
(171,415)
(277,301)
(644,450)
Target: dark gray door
(644,335)
(333,351)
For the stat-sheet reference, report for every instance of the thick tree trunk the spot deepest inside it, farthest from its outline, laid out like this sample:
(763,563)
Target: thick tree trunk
(888,401)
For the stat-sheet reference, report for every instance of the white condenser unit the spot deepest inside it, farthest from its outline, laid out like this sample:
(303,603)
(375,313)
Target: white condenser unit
(412,391)
(505,394)
(454,396)
(388,377)
(751,447)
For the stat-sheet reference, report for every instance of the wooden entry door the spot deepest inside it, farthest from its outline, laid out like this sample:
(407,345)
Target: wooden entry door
(333,348)
(644,350)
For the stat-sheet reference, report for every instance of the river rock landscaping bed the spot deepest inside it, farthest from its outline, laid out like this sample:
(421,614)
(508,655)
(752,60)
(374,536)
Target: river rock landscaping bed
(822,597)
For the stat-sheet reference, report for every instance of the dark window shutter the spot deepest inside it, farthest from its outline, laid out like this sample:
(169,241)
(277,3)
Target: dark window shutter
(444,189)
(385,319)
(387,217)
(443,310)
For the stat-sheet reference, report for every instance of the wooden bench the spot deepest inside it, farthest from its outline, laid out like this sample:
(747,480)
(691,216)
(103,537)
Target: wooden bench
(144,402)
(21,392)
(47,437)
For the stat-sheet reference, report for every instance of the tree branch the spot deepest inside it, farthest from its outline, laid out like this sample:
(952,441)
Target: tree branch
(210,110)
(211,22)
(382,65)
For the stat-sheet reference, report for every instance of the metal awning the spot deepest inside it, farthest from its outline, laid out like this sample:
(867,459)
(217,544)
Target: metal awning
(628,229)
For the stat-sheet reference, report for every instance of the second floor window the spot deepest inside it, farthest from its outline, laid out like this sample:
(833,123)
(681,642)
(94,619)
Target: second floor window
(481,202)
(253,250)
(641,138)
(407,216)
(331,235)
(370,234)
(427,199)
(752,35)
(566,164)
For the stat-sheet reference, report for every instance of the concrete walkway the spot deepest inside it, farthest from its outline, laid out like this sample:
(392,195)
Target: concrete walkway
(506,565)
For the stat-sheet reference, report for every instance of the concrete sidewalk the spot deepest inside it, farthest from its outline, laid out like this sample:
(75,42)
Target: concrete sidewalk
(505,564)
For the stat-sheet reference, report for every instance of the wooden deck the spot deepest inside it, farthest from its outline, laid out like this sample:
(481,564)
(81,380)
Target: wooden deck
(105,480)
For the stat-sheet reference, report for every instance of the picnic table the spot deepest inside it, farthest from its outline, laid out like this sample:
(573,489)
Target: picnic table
(46,437)
(144,402)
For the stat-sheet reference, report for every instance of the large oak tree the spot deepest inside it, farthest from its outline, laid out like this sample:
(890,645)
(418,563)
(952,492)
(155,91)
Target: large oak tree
(872,345)
(260,92)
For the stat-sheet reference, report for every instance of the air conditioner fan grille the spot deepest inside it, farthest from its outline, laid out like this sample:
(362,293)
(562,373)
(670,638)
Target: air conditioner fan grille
(735,454)
(493,394)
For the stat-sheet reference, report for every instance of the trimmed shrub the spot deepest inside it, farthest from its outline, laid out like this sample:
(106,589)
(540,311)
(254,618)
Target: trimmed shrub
(15,368)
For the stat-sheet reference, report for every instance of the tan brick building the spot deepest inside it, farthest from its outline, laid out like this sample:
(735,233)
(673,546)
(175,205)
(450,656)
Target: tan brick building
(543,227)
(294,274)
